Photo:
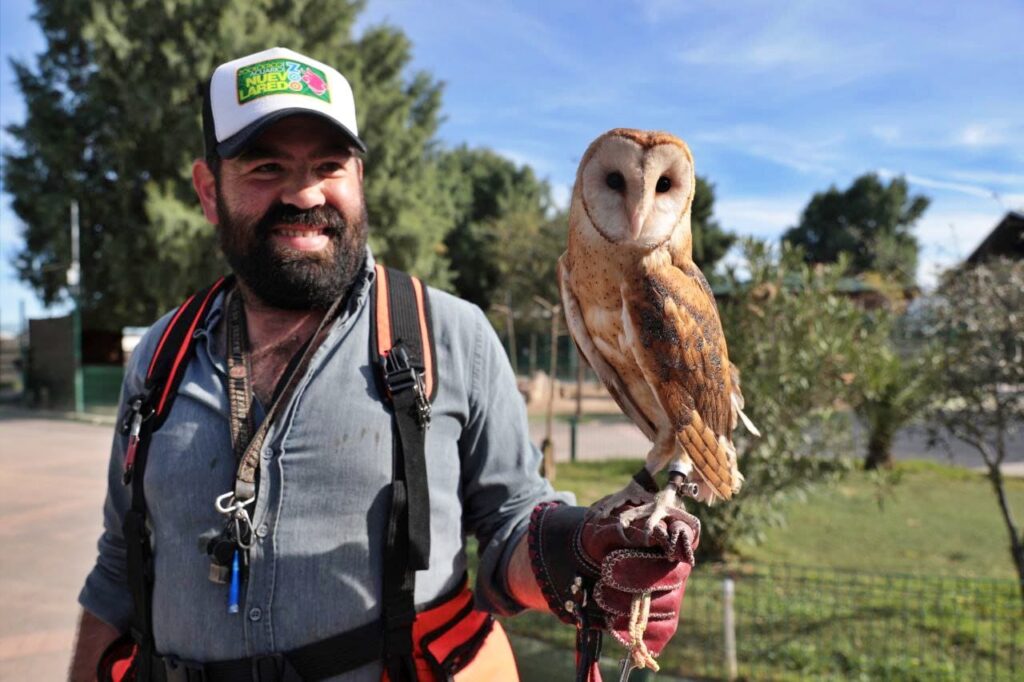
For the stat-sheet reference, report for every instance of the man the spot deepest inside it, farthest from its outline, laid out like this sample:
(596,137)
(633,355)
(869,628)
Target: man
(282,183)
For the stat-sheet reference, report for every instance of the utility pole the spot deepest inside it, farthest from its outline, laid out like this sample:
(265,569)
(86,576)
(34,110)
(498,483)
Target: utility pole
(548,445)
(74,286)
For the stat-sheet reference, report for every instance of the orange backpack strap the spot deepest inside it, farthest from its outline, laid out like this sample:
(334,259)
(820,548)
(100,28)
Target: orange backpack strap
(405,351)
(401,315)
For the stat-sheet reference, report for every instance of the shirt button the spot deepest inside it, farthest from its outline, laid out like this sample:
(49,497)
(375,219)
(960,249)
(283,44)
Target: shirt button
(262,530)
(268,454)
(255,614)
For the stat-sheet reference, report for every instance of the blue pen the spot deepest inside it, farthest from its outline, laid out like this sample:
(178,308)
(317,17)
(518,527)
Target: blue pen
(234,588)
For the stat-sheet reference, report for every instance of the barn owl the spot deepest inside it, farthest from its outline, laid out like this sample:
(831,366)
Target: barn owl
(644,317)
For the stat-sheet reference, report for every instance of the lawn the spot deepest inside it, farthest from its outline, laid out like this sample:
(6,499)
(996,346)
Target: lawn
(866,581)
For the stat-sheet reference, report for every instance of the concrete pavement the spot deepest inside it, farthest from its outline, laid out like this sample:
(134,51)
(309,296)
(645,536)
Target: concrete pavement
(614,437)
(51,494)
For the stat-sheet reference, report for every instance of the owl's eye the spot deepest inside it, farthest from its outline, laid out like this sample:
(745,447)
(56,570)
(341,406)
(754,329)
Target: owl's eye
(664,185)
(615,181)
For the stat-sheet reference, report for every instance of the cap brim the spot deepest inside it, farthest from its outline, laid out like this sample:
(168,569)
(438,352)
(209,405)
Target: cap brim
(236,144)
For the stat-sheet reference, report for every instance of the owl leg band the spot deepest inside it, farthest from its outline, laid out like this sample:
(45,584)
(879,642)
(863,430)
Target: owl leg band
(644,479)
(677,482)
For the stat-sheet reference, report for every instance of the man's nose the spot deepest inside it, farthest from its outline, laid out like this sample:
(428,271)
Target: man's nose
(303,190)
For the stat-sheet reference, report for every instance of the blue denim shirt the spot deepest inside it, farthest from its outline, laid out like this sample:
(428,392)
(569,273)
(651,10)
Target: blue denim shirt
(320,515)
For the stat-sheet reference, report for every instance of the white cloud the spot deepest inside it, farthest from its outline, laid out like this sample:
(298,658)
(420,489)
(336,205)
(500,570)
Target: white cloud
(989,177)
(561,193)
(801,152)
(947,237)
(933,183)
(979,135)
(765,217)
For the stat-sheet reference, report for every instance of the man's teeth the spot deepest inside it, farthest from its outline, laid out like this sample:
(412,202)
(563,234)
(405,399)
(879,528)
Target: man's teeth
(299,233)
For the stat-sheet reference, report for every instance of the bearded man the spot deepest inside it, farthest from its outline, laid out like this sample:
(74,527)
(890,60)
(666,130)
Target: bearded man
(305,570)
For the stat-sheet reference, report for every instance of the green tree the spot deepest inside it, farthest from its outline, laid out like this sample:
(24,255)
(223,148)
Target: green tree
(498,206)
(977,323)
(710,241)
(870,222)
(892,382)
(114,121)
(794,341)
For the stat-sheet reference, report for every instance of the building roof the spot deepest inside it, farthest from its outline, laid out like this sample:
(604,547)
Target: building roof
(1006,239)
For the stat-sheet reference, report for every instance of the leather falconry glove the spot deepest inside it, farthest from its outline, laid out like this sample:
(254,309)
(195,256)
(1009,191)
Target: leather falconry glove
(594,572)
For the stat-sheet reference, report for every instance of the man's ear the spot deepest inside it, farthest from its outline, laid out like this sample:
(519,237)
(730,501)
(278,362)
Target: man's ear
(359,163)
(205,185)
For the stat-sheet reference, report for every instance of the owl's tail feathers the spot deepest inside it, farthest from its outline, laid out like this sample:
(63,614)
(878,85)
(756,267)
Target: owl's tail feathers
(737,406)
(714,459)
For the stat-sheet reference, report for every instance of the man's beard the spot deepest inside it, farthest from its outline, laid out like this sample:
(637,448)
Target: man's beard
(291,279)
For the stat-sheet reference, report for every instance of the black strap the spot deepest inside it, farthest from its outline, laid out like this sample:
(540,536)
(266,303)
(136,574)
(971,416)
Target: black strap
(405,359)
(408,540)
(163,377)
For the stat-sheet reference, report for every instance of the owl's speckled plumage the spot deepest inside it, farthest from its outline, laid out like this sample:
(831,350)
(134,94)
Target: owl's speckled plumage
(641,311)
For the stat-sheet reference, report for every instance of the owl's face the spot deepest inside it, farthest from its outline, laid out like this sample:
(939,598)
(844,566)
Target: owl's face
(636,186)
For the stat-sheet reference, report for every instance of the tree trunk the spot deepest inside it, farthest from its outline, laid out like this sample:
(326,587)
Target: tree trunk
(510,329)
(1016,542)
(548,446)
(879,450)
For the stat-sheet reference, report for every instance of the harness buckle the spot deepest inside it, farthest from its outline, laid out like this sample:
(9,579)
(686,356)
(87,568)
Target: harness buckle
(131,425)
(400,376)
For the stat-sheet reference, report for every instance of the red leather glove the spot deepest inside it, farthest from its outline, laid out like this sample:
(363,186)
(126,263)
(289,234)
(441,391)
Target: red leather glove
(590,569)
(632,563)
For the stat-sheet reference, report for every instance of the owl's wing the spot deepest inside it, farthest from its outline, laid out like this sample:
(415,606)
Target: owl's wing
(677,340)
(738,403)
(605,372)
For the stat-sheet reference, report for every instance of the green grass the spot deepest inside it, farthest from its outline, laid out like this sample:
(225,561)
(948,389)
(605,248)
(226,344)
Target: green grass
(881,598)
(936,520)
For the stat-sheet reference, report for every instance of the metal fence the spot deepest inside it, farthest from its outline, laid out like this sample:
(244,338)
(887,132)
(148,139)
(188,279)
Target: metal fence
(809,623)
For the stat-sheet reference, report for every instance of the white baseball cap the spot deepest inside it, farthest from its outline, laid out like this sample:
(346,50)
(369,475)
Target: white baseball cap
(246,95)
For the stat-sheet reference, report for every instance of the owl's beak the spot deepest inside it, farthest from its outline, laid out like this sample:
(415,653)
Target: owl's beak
(637,220)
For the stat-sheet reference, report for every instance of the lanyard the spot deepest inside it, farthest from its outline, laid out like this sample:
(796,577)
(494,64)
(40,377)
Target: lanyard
(246,443)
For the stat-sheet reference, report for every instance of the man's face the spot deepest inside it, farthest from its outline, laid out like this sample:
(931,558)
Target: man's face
(290,214)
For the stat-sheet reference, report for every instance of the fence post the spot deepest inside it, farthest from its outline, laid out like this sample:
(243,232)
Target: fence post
(729,628)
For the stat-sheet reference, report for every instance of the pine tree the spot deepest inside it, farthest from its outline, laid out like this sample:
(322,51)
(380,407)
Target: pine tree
(114,122)
(870,221)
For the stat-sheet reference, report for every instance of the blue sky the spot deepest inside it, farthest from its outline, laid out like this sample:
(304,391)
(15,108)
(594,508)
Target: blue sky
(777,100)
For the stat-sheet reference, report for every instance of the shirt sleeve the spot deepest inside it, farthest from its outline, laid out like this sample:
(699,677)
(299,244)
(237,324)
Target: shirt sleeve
(500,470)
(106,593)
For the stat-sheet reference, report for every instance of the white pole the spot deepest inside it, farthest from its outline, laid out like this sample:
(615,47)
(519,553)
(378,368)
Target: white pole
(729,627)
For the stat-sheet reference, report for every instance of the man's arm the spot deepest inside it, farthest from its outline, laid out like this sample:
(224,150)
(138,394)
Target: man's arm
(94,636)
(521,583)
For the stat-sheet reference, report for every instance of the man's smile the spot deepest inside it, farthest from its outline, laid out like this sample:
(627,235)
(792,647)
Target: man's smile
(302,237)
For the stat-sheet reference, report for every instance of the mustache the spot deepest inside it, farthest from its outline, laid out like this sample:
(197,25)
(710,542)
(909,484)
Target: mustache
(327,218)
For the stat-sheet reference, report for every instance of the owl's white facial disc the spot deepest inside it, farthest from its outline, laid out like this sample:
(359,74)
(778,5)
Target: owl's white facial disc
(635,195)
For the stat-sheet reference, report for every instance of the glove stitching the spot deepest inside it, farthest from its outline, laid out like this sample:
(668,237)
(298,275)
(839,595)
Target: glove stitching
(613,558)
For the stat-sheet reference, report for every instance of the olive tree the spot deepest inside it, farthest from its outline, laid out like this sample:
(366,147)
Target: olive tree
(977,323)
(795,340)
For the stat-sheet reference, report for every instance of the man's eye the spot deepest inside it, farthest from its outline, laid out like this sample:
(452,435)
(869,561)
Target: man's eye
(267,168)
(331,167)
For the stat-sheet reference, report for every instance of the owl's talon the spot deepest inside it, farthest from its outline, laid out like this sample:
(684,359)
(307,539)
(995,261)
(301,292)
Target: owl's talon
(632,494)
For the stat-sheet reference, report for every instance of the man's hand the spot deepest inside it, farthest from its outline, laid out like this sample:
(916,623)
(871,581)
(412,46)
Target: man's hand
(570,549)
(94,636)
(642,577)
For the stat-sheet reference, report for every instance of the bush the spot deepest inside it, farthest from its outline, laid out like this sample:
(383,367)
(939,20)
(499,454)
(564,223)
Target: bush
(796,342)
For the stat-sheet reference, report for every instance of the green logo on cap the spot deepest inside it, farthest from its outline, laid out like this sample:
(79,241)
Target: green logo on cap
(281,77)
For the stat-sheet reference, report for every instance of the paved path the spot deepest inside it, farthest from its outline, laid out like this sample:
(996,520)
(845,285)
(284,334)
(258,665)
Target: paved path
(51,493)
(614,437)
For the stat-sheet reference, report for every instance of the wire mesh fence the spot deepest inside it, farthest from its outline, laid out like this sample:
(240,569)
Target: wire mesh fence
(814,623)
(800,623)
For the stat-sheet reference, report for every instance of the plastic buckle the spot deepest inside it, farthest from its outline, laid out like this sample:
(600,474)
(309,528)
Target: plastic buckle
(268,668)
(400,375)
